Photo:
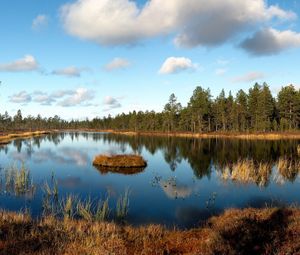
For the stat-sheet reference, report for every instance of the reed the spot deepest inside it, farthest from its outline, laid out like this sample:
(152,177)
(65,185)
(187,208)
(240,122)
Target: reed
(18,181)
(248,171)
(288,168)
(102,211)
(123,205)
(84,209)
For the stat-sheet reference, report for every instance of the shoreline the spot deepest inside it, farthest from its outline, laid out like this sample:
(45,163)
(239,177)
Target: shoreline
(258,231)
(10,136)
(226,135)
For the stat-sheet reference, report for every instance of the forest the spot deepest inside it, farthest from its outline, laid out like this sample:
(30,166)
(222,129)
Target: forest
(255,111)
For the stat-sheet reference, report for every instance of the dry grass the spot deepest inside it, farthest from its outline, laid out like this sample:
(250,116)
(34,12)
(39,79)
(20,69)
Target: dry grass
(248,231)
(288,168)
(7,138)
(236,135)
(120,161)
(248,171)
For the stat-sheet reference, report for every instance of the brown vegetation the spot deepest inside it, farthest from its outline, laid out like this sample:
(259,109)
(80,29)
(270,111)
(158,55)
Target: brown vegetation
(236,135)
(248,171)
(248,231)
(120,161)
(123,170)
(7,138)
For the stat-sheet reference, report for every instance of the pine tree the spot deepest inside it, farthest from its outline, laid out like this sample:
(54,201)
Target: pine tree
(289,107)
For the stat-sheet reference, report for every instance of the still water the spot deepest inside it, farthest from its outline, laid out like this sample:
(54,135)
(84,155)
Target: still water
(184,183)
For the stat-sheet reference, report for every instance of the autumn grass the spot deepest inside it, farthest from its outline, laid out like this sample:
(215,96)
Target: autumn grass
(248,171)
(120,161)
(7,138)
(288,168)
(230,134)
(248,231)
(18,181)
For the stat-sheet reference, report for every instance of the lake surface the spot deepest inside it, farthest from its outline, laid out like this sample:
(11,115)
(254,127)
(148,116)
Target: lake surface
(184,183)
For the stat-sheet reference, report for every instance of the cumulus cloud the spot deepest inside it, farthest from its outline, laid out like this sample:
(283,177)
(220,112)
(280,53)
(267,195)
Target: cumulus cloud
(42,98)
(111,103)
(70,71)
(39,22)
(64,98)
(25,64)
(20,98)
(270,41)
(117,63)
(174,65)
(81,96)
(249,77)
(194,22)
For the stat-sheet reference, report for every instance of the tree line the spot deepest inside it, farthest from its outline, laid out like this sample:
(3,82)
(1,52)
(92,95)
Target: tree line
(256,110)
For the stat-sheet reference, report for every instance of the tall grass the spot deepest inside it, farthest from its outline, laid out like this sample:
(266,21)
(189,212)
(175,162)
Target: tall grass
(18,181)
(288,168)
(248,171)
(123,205)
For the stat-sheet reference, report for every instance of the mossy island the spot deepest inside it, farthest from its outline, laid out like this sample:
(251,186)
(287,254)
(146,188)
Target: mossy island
(127,164)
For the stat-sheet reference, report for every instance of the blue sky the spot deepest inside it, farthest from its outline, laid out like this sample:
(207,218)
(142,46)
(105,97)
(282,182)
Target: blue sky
(88,58)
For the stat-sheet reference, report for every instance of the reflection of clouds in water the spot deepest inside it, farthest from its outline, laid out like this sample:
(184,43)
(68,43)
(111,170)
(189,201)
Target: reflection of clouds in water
(174,190)
(69,182)
(80,158)
(64,155)
(113,149)
(22,156)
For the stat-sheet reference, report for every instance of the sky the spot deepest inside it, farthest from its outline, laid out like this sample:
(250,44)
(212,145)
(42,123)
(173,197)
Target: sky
(90,58)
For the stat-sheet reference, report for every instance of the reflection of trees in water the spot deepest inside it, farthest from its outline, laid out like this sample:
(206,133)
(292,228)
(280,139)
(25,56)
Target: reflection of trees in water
(204,154)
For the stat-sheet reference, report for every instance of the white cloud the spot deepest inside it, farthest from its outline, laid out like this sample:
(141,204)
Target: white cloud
(174,65)
(220,71)
(117,63)
(249,77)
(70,71)
(111,103)
(43,98)
(270,41)
(39,22)
(22,97)
(62,93)
(27,63)
(81,96)
(64,98)
(194,22)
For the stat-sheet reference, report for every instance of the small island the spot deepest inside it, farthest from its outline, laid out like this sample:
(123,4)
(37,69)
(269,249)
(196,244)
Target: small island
(119,161)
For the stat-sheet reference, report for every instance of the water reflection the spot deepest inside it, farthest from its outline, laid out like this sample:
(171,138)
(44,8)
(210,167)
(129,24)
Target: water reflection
(186,180)
(65,155)
(119,170)
(203,155)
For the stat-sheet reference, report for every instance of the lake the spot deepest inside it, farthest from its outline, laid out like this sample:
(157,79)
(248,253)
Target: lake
(186,181)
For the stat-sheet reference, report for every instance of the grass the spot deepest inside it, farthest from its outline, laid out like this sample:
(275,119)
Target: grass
(120,161)
(18,181)
(249,171)
(248,231)
(7,138)
(123,205)
(230,134)
(288,168)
